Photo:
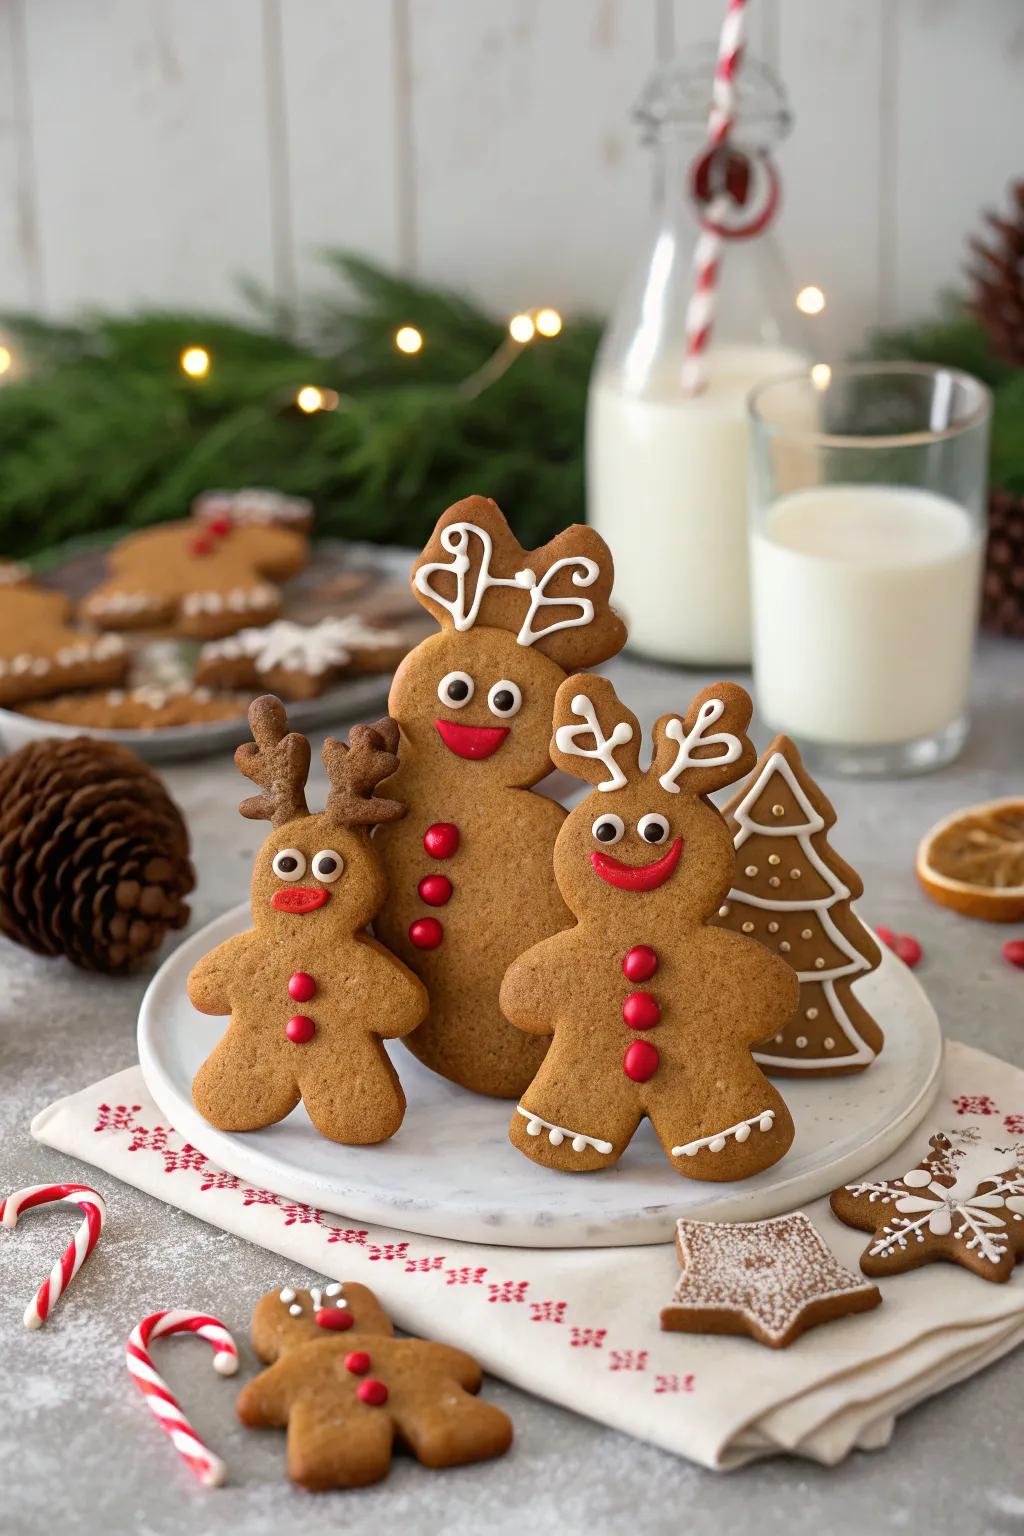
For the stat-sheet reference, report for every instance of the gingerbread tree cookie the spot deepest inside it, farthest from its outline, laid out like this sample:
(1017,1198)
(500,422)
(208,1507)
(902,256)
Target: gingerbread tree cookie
(964,1203)
(770,1280)
(199,578)
(345,1389)
(311,996)
(469,868)
(792,891)
(652,1010)
(42,654)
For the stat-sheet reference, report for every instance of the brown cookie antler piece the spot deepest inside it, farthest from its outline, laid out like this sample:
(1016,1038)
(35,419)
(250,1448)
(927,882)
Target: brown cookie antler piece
(356,770)
(276,760)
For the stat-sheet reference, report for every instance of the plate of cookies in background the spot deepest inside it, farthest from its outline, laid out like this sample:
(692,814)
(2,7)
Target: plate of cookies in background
(162,638)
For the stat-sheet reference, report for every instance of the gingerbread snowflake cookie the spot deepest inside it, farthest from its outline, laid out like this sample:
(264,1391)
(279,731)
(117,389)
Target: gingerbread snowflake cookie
(42,654)
(964,1203)
(204,579)
(254,504)
(770,1280)
(298,661)
(146,708)
(345,1389)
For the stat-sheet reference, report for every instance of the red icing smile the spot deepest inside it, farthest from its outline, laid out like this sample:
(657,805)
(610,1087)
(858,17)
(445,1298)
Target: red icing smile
(637,877)
(474,741)
(298,898)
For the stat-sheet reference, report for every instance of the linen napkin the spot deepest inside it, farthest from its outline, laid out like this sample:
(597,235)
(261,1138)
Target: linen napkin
(581,1326)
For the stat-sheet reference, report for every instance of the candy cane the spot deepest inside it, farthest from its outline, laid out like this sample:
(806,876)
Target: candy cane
(162,1403)
(78,1250)
(707,253)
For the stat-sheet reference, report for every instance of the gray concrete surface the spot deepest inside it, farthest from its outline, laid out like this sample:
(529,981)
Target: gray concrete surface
(78,1449)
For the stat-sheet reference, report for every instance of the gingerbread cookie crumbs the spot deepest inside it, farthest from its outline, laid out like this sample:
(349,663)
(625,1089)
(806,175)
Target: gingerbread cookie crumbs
(346,1389)
(770,1280)
(42,653)
(298,661)
(963,1204)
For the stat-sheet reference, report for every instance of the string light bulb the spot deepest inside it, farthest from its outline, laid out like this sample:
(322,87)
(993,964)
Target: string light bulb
(810,300)
(548,322)
(6,359)
(408,339)
(195,361)
(821,375)
(310,399)
(521,328)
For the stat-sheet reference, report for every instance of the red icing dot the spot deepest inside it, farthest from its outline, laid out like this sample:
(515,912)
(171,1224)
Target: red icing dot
(1013,950)
(358,1362)
(640,1061)
(435,890)
(908,949)
(301,987)
(202,544)
(219,526)
(299,1029)
(639,963)
(372,1391)
(426,933)
(641,1010)
(337,1319)
(441,840)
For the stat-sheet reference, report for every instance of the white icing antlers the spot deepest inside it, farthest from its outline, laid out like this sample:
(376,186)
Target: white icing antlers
(456,539)
(566,738)
(710,711)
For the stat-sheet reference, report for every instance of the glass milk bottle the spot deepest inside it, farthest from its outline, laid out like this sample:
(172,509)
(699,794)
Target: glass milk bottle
(667,472)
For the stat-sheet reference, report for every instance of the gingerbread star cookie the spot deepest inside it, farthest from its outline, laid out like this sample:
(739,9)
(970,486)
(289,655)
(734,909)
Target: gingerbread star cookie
(255,504)
(298,661)
(42,654)
(205,579)
(771,1280)
(345,1388)
(963,1203)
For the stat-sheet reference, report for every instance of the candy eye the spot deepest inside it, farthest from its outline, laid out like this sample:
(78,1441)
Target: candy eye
(653,828)
(327,866)
(608,829)
(455,689)
(290,864)
(504,699)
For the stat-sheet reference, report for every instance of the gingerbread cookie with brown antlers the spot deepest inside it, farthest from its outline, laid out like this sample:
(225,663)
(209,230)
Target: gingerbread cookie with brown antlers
(652,1011)
(310,994)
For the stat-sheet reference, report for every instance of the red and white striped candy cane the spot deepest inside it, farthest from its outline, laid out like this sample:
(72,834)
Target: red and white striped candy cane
(78,1250)
(162,1403)
(707,253)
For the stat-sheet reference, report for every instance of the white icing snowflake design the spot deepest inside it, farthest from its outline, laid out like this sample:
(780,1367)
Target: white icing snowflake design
(313,648)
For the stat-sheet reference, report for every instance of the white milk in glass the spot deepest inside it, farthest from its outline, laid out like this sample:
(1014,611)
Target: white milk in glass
(865,606)
(667,489)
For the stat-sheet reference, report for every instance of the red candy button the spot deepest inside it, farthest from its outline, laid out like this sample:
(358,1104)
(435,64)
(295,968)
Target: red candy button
(301,987)
(219,526)
(639,963)
(640,1061)
(908,949)
(202,544)
(426,933)
(337,1319)
(435,890)
(372,1391)
(441,840)
(358,1362)
(300,1030)
(641,1010)
(1013,951)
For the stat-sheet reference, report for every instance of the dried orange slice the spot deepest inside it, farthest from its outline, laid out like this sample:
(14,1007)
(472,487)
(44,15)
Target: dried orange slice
(973,861)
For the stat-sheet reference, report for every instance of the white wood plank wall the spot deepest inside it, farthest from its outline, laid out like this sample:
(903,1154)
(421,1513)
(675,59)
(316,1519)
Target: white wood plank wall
(157,150)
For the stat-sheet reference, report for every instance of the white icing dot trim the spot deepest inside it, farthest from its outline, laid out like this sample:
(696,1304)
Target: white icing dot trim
(253,504)
(558,1133)
(740,1132)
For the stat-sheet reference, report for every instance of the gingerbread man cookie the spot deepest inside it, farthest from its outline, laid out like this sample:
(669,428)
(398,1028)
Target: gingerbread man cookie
(792,891)
(311,996)
(254,504)
(653,1012)
(41,654)
(963,1203)
(469,869)
(205,579)
(345,1389)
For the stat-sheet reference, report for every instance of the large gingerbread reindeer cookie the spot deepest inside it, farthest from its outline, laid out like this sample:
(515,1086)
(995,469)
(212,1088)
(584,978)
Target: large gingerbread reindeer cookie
(652,1010)
(310,995)
(470,867)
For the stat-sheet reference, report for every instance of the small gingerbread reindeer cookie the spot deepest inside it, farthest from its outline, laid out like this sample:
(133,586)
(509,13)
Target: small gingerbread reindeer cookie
(653,1012)
(311,995)
(345,1388)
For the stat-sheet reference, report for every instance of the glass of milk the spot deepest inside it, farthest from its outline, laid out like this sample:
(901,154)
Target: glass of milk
(867,529)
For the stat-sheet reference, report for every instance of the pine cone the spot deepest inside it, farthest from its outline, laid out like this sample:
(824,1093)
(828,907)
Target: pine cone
(1002,600)
(998,278)
(94,858)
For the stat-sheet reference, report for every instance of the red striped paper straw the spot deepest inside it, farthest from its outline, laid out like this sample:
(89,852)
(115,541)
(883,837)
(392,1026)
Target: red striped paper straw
(700,312)
(162,1403)
(77,1251)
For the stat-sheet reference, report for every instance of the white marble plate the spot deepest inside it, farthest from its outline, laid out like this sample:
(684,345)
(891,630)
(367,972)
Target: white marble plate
(451,1172)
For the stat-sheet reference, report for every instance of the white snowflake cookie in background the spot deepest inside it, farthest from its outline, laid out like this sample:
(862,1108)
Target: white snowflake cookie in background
(770,1280)
(298,661)
(963,1203)
(792,892)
